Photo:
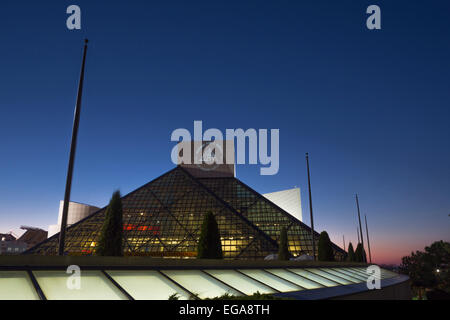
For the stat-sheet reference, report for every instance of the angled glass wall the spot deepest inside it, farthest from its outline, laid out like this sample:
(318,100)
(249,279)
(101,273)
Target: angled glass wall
(163,219)
(265,215)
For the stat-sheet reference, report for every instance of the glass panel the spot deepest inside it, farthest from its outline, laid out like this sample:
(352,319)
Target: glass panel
(93,286)
(239,281)
(304,283)
(384,273)
(147,284)
(362,272)
(314,277)
(16,285)
(329,276)
(351,273)
(271,280)
(200,283)
(341,275)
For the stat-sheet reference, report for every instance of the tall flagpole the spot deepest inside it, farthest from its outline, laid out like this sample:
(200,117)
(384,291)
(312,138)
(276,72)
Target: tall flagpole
(368,242)
(73,146)
(360,228)
(357,233)
(311,209)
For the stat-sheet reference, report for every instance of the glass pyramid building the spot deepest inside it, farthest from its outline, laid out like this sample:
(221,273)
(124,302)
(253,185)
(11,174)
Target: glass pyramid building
(163,219)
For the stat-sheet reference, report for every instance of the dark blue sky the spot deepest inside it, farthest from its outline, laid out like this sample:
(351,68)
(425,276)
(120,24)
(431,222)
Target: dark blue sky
(371,107)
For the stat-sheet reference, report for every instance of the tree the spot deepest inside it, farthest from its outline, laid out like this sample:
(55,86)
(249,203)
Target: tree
(429,269)
(110,243)
(351,253)
(360,253)
(325,249)
(283,250)
(209,244)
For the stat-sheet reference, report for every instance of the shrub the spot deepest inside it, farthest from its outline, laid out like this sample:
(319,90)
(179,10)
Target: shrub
(283,250)
(174,296)
(110,242)
(325,249)
(351,253)
(360,253)
(209,244)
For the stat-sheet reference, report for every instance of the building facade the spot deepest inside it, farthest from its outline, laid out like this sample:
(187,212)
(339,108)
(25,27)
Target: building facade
(10,245)
(163,219)
(289,200)
(77,211)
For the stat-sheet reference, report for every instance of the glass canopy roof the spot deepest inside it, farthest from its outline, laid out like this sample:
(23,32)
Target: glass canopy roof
(185,284)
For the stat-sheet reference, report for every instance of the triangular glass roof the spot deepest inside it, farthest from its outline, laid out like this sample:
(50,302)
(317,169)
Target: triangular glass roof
(163,219)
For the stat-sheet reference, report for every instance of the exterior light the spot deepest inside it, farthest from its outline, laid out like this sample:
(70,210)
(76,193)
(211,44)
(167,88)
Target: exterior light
(437,270)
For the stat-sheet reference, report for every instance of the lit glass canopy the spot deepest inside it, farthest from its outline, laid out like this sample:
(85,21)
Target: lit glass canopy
(154,284)
(342,275)
(348,272)
(330,276)
(272,280)
(137,284)
(321,281)
(240,281)
(58,285)
(16,285)
(199,283)
(304,283)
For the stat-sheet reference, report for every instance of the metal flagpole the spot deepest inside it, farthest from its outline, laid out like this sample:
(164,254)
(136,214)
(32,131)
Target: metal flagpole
(368,242)
(357,233)
(73,145)
(360,228)
(311,209)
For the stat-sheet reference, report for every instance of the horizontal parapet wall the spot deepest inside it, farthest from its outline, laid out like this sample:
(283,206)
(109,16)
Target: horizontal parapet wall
(398,288)
(148,262)
(394,288)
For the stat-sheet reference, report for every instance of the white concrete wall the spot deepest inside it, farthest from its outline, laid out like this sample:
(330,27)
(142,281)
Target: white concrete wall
(77,211)
(288,200)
